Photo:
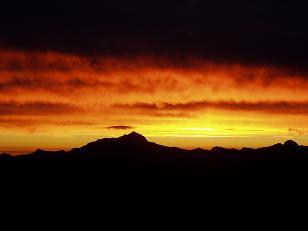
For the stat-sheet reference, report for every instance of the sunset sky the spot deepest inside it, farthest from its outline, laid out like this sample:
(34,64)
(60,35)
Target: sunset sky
(183,73)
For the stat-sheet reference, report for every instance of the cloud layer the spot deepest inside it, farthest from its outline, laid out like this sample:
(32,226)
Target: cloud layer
(121,127)
(255,32)
(271,107)
(56,93)
(176,67)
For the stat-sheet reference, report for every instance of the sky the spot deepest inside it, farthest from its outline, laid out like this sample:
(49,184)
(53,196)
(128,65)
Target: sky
(183,73)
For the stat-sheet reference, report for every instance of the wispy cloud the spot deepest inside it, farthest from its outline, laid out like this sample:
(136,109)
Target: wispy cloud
(121,127)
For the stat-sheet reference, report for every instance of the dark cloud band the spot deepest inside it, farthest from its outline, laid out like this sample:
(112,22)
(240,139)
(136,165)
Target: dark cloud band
(121,127)
(280,107)
(37,108)
(254,32)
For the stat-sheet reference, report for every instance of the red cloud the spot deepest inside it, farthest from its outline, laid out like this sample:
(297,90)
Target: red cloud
(280,107)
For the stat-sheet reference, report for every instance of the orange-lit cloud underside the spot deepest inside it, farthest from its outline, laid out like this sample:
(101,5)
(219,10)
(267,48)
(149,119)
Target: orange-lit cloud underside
(188,104)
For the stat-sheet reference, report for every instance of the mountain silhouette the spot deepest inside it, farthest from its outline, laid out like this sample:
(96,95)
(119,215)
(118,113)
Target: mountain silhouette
(133,158)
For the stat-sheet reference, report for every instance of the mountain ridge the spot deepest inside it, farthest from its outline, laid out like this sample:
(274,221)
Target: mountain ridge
(132,158)
(135,138)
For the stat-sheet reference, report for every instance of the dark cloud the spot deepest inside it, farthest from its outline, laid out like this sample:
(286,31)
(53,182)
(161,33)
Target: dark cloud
(59,86)
(121,127)
(36,108)
(33,124)
(297,132)
(52,84)
(16,82)
(276,107)
(255,32)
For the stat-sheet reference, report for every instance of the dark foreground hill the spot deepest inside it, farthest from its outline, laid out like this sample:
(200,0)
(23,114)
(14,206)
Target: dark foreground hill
(131,158)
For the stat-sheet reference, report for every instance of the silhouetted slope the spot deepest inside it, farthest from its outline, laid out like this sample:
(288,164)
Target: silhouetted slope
(131,157)
(5,156)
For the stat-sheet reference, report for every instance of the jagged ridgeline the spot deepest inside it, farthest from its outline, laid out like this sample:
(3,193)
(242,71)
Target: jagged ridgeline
(133,157)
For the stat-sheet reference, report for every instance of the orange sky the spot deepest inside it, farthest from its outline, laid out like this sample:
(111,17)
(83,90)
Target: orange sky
(59,101)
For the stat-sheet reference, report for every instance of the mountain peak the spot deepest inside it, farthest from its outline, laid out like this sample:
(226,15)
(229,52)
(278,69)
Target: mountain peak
(134,137)
(290,144)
